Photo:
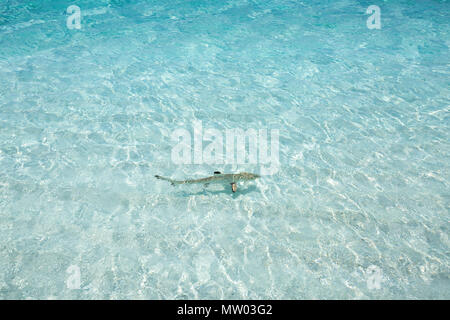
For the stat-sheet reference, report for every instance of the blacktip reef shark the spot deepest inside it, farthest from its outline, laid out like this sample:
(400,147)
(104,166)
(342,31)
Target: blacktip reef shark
(218,177)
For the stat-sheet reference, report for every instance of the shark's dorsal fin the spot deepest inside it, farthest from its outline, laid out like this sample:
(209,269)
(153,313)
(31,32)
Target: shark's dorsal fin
(217,172)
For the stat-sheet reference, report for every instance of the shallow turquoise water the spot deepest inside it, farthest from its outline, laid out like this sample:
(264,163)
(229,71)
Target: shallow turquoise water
(86,118)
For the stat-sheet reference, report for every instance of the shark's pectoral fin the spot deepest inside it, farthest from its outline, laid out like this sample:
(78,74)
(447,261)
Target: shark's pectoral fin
(233,186)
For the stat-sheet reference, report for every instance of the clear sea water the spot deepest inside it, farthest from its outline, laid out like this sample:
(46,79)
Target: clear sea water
(358,210)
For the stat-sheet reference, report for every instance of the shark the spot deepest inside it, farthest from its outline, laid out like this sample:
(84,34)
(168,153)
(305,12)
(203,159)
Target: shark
(218,177)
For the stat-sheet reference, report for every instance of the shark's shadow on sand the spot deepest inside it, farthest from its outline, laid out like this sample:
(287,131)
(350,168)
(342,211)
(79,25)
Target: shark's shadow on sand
(206,192)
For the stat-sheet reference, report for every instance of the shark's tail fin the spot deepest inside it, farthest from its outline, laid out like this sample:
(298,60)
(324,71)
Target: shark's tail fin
(172,182)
